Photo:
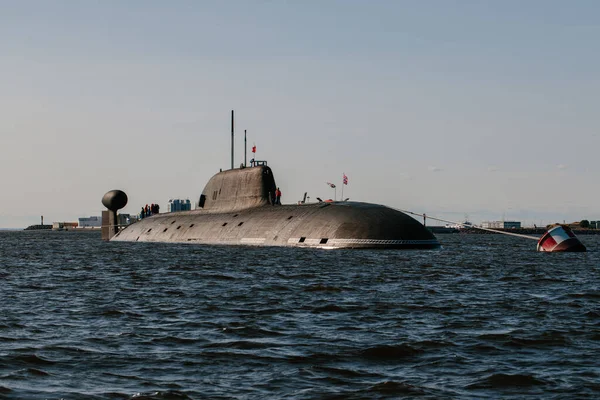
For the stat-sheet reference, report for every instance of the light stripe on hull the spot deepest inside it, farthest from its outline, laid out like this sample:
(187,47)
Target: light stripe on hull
(318,243)
(364,243)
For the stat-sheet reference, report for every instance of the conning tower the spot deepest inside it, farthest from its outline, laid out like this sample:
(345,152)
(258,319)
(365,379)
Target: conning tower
(238,189)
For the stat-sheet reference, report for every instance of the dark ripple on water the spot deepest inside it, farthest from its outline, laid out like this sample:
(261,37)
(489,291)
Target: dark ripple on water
(484,317)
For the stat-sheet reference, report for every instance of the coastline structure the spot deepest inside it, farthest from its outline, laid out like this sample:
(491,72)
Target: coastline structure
(39,227)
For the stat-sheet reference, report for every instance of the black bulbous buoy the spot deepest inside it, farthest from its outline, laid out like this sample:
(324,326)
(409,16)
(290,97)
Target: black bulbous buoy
(114,200)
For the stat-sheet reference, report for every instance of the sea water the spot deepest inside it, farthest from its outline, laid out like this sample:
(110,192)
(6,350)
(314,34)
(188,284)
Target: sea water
(486,316)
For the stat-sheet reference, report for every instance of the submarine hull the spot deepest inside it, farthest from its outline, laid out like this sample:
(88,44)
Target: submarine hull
(320,225)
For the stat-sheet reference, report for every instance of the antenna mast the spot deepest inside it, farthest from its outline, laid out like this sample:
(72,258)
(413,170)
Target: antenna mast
(231,139)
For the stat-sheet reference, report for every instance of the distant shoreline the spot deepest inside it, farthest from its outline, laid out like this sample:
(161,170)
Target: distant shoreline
(46,228)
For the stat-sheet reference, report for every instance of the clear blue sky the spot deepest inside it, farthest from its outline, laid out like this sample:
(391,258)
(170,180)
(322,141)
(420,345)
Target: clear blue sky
(485,108)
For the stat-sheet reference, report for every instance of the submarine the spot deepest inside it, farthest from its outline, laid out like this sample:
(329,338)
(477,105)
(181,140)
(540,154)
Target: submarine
(236,207)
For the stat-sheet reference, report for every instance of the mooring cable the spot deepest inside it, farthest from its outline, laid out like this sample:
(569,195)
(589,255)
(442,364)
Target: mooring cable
(469,225)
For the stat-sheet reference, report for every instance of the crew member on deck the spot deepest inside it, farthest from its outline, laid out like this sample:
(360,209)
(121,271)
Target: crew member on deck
(278,196)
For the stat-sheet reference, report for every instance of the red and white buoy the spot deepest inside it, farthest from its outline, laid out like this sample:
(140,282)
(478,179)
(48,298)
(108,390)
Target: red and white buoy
(560,238)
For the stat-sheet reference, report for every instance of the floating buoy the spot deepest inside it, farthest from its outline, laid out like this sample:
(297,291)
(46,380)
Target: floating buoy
(560,238)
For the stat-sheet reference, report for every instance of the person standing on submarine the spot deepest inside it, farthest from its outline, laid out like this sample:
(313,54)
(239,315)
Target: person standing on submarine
(278,196)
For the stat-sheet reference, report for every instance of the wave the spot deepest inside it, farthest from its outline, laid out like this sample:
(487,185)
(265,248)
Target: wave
(322,288)
(396,388)
(32,359)
(506,381)
(115,312)
(176,340)
(218,277)
(345,372)
(433,344)
(253,332)
(586,295)
(387,352)
(549,338)
(592,314)
(38,372)
(76,350)
(169,395)
(328,308)
(483,348)
(175,293)
(24,374)
(240,345)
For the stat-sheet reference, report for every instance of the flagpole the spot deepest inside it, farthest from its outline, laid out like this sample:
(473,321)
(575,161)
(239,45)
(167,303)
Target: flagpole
(334,187)
(231,139)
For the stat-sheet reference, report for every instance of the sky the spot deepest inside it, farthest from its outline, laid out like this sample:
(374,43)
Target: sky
(485,110)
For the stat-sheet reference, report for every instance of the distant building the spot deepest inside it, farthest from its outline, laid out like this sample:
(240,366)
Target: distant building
(464,225)
(64,226)
(90,222)
(179,205)
(501,224)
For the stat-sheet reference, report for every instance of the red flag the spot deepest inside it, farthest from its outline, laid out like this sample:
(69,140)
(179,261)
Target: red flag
(254,149)
(345,179)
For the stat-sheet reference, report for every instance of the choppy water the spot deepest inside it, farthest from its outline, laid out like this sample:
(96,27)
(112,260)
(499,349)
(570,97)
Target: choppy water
(484,317)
